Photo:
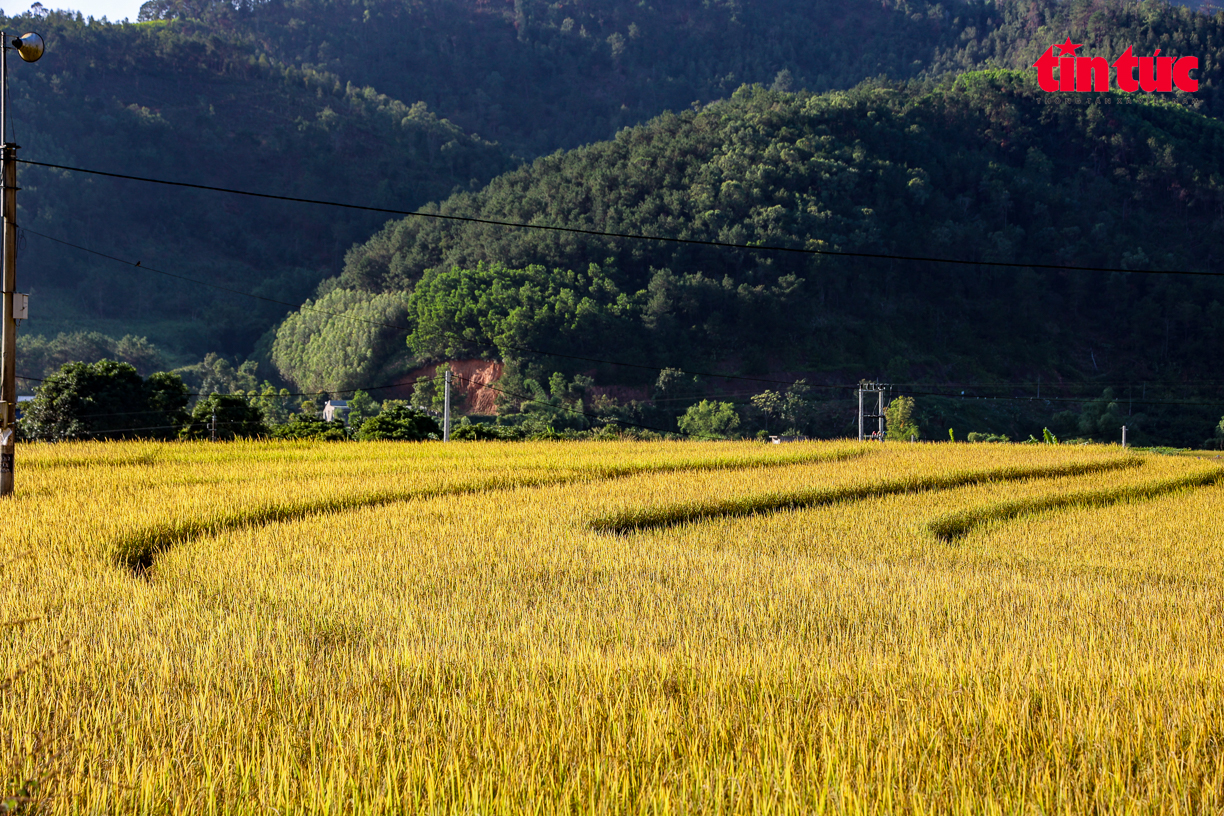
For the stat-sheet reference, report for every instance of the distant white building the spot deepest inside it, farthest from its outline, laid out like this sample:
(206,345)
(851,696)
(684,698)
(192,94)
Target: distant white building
(336,411)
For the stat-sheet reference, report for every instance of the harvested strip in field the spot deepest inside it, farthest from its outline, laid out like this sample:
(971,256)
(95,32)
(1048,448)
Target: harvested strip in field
(1173,541)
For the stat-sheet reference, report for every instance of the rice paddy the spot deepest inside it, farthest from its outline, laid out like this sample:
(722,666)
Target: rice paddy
(611,627)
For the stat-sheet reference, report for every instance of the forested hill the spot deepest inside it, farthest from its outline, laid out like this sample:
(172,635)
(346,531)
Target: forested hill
(985,168)
(538,75)
(187,101)
(399,102)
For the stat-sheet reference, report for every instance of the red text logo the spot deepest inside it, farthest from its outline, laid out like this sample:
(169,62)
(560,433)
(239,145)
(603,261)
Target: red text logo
(1082,74)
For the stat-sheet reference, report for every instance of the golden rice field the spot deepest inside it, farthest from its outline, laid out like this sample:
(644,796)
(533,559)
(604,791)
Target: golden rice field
(500,628)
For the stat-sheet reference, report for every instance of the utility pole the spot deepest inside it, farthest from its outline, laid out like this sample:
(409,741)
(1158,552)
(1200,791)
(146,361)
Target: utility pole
(8,340)
(860,413)
(30,48)
(880,412)
(878,389)
(1124,436)
(213,436)
(446,409)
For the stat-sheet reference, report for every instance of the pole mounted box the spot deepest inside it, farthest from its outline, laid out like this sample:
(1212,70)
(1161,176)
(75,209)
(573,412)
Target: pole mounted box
(21,306)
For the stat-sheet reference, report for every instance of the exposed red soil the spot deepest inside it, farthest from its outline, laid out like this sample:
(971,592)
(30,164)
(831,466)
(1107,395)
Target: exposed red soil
(471,378)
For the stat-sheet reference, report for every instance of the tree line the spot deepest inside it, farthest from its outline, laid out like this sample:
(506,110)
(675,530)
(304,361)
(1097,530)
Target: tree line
(110,400)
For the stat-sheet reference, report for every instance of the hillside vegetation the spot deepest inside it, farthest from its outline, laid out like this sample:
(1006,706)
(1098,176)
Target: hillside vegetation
(190,102)
(539,75)
(399,103)
(981,169)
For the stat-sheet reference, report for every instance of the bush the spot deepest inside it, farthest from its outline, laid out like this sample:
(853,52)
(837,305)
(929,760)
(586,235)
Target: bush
(710,419)
(236,419)
(974,436)
(399,422)
(305,426)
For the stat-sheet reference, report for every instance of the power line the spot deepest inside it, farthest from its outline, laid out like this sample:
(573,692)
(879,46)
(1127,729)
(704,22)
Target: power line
(530,350)
(380,324)
(500,347)
(1078,400)
(626,235)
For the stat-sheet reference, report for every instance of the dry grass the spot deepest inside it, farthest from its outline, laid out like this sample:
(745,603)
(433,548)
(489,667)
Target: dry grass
(606,627)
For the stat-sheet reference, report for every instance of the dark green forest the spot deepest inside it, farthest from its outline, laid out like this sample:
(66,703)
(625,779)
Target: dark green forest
(537,76)
(981,168)
(184,101)
(846,126)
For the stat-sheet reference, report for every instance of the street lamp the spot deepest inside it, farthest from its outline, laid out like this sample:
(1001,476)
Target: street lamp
(29,47)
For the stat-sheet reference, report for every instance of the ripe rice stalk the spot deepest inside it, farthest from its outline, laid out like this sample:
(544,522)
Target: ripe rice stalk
(489,651)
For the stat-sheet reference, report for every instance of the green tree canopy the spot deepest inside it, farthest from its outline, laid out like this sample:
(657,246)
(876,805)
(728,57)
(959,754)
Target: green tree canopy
(900,422)
(236,418)
(105,400)
(397,421)
(710,419)
(340,340)
(361,407)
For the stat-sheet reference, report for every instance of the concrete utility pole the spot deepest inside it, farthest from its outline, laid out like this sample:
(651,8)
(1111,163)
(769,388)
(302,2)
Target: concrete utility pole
(213,436)
(30,48)
(1124,436)
(446,409)
(860,414)
(880,412)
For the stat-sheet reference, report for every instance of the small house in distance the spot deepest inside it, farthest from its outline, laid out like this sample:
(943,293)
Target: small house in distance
(336,411)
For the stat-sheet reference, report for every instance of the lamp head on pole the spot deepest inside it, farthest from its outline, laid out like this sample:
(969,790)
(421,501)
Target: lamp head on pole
(29,46)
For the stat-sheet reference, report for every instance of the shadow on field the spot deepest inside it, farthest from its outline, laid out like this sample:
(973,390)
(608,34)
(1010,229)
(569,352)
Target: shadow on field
(139,551)
(958,525)
(636,519)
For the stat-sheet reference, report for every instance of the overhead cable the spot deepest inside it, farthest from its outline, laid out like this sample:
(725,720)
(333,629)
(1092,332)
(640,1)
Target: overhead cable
(625,235)
(497,347)
(380,324)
